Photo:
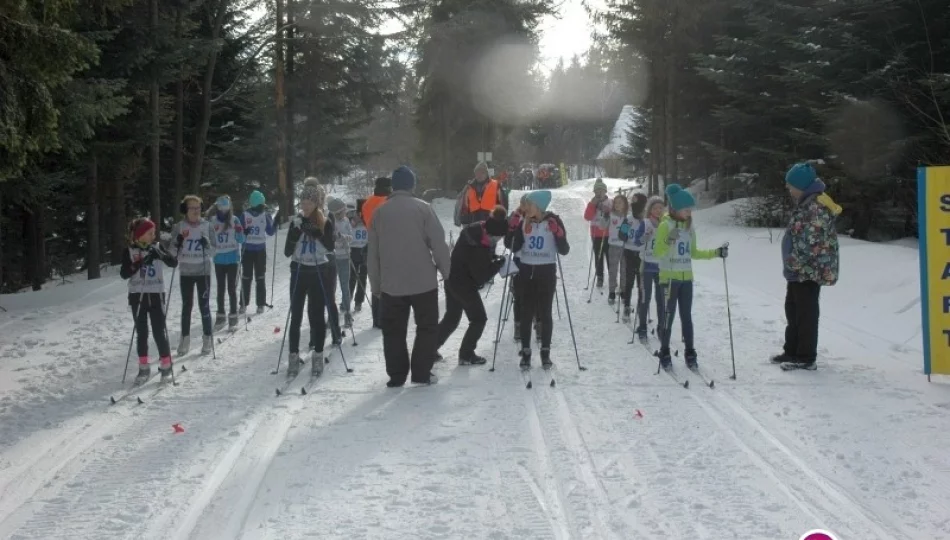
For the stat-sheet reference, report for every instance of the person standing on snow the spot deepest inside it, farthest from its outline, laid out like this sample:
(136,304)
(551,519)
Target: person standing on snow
(479,198)
(598,214)
(620,208)
(675,248)
(473,265)
(230,236)
(341,252)
(406,248)
(308,252)
(193,251)
(631,233)
(809,261)
(650,268)
(514,224)
(147,295)
(258,225)
(381,193)
(541,238)
(358,251)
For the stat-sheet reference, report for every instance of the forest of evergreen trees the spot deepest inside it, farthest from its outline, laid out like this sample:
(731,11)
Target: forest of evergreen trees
(112,109)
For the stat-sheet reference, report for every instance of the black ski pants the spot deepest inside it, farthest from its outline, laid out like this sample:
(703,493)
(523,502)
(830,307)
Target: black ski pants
(328,272)
(145,307)
(226,274)
(629,274)
(254,267)
(188,286)
(457,301)
(306,286)
(600,255)
(394,316)
(538,285)
(801,314)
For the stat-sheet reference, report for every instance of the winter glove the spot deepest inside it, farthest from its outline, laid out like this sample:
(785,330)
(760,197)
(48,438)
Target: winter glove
(723,251)
(673,236)
(204,243)
(294,233)
(624,231)
(555,227)
(638,236)
(496,264)
(238,229)
(179,241)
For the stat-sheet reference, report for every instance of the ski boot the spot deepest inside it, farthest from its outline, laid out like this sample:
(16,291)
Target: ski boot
(145,371)
(626,314)
(242,310)
(611,298)
(165,368)
(260,309)
(666,362)
(438,357)
(316,363)
(232,322)
(347,320)
(546,362)
(600,282)
(358,308)
(782,358)
(525,358)
(472,360)
(184,345)
(642,334)
(293,365)
(207,344)
(690,357)
(220,320)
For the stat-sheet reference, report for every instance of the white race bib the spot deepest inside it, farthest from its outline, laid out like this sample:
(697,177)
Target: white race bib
(148,279)
(360,236)
(539,246)
(680,259)
(226,237)
(191,251)
(255,228)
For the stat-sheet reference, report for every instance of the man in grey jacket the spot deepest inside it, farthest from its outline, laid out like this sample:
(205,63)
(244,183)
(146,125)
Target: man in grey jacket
(406,247)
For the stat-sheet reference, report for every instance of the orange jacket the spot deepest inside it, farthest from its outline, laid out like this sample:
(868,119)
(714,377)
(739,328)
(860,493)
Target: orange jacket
(489,198)
(370,206)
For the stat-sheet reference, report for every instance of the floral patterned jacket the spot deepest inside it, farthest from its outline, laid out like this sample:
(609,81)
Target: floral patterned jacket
(810,244)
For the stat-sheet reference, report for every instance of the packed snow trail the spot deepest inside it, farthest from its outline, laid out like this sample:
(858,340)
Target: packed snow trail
(858,447)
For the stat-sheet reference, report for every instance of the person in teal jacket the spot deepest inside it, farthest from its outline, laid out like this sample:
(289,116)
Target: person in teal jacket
(229,234)
(675,248)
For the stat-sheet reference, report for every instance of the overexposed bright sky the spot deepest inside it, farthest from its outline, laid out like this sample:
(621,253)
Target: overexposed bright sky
(568,34)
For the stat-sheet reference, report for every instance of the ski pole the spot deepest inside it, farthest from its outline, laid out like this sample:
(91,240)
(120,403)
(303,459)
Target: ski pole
(290,307)
(600,252)
(498,325)
(567,305)
(207,297)
(732,348)
(590,266)
(327,301)
(273,273)
(135,322)
(171,285)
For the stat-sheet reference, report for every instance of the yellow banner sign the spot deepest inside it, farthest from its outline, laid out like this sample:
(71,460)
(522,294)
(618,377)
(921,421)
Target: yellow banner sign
(933,216)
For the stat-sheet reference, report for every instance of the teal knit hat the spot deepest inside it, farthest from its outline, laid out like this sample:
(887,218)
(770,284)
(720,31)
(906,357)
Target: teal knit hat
(256,198)
(801,176)
(541,199)
(680,199)
(599,184)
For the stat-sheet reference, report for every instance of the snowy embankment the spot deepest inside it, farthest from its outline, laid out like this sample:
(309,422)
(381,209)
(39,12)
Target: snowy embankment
(613,452)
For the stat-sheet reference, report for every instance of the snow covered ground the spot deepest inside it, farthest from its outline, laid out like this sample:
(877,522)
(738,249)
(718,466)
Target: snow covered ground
(858,447)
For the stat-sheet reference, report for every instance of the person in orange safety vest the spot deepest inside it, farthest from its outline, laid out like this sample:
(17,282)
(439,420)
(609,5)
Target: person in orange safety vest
(479,197)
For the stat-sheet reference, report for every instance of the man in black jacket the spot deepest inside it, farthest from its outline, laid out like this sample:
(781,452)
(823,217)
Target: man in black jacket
(473,264)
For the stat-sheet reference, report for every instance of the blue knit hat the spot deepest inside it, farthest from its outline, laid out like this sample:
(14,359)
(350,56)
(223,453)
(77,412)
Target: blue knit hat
(403,179)
(801,176)
(680,199)
(541,199)
(223,202)
(256,198)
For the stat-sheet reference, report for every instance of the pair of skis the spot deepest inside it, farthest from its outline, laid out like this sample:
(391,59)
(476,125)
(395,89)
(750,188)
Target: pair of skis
(308,385)
(526,375)
(150,388)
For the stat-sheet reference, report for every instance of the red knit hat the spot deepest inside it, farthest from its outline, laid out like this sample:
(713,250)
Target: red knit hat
(144,225)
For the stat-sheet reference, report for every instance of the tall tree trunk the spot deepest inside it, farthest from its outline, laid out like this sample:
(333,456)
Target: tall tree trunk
(92,218)
(286,195)
(201,136)
(35,246)
(117,213)
(289,82)
(155,193)
(670,120)
(3,212)
(178,153)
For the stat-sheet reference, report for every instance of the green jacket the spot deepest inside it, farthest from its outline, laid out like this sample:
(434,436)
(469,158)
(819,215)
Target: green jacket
(663,252)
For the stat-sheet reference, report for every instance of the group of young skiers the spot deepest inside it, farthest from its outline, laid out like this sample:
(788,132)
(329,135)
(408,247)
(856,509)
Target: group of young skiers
(325,240)
(651,249)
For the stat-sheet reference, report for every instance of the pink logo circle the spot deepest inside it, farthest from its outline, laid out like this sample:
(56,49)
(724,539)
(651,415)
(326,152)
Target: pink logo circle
(818,534)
